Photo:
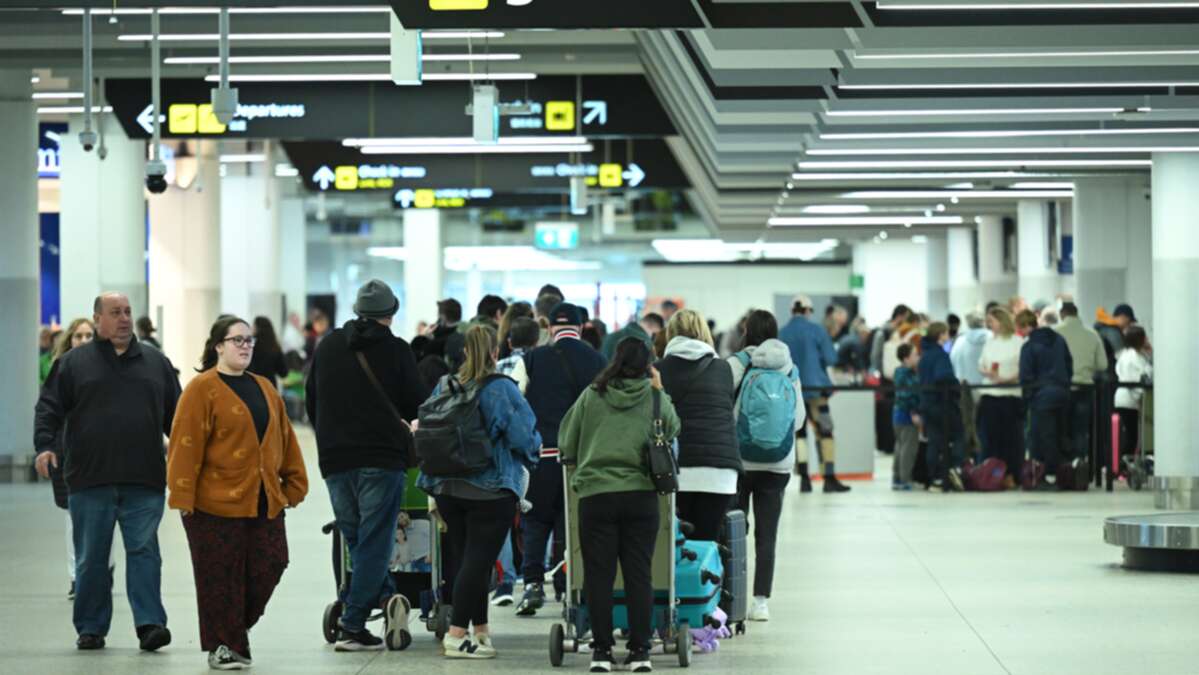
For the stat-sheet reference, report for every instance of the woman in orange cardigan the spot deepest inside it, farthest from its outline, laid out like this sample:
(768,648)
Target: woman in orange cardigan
(234,464)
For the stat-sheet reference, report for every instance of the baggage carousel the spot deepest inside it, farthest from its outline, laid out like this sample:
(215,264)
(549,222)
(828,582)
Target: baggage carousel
(1164,542)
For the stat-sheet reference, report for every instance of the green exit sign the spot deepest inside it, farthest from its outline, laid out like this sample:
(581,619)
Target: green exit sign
(857,282)
(556,236)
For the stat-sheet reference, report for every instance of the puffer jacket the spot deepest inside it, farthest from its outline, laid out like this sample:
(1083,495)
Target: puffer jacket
(701,387)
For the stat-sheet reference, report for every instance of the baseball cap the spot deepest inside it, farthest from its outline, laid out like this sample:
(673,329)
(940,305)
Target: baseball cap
(565,314)
(802,301)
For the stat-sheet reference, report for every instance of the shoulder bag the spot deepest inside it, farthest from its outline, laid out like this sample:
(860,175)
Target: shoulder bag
(663,466)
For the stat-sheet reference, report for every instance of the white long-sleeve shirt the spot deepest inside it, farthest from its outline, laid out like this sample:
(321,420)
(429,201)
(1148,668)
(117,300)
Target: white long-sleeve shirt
(1132,366)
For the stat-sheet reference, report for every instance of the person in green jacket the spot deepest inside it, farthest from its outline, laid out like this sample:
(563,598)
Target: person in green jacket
(605,434)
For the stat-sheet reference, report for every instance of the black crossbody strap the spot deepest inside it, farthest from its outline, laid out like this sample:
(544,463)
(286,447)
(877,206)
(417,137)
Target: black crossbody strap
(370,375)
(570,374)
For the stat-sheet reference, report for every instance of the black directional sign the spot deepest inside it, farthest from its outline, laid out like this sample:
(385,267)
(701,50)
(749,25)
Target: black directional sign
(594,106)
(547,13)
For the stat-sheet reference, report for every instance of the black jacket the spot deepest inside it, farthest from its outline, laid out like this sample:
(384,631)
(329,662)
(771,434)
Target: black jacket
(116,411)
(939,391)
(1045,370)
(354,427)
(270,365)
(702,393)
(552,390)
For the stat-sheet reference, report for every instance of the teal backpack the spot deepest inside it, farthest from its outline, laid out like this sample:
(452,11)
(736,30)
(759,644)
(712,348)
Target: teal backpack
(766,413)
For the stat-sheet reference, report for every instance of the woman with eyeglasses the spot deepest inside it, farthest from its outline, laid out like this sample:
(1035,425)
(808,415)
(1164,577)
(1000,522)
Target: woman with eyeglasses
(233,465)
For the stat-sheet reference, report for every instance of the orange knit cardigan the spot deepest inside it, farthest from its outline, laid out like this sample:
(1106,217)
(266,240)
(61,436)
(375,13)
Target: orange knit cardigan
(215,463)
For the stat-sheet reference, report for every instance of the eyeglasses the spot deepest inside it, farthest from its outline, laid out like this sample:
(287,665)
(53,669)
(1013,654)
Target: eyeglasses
(241,340)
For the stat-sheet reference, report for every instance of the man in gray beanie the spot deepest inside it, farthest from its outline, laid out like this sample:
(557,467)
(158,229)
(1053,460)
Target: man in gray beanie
(362,388)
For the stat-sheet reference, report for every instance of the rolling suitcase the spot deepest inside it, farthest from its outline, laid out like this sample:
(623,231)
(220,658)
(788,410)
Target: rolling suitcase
(698,576)
(734,554)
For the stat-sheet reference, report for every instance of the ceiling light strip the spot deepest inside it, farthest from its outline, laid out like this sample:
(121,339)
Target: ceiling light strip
(890,56)
(1005,133)
(371,77)
(462,141)
(806,221)
(1016,85)
(924,175)
(331,58)
(71,109)
(963,6)
(375,9)
(959,194)
(867,152)
(213,37)
(975,163)
(472,150)
(981,111)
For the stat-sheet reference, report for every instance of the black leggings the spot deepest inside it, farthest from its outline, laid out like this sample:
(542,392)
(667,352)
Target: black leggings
(476,531)
(619,526)
(705,511)
(766,489)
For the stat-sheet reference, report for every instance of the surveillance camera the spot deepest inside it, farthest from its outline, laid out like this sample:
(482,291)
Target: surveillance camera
(88,140)
(224,104)
(156,172)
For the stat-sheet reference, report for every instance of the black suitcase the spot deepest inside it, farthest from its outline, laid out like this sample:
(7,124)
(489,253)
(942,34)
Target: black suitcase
(735,556)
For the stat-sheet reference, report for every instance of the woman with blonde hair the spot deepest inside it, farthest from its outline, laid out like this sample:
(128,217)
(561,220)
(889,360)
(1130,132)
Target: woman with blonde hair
(701,386)
(1001,411)
(478,507)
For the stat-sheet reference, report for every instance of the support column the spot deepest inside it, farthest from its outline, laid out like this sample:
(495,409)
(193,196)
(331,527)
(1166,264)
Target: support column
(18,263)
(1038,278)
(103,221)
(293,254)
(1111,225)
(959,264)
(185,262)
(423,268)
(1176,267)
(938,277)
(250,243)
(995,283)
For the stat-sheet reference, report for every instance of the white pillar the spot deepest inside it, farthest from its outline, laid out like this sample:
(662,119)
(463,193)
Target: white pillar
(995,283)
(1176,363)
(103,221)
(1111,226)
(423,268)
(1038,278)
(963,282)
(293,254)
(185,261)
(937,252)
(250,243)
(18,261)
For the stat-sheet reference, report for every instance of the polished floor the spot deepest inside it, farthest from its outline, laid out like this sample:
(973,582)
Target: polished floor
(868,582)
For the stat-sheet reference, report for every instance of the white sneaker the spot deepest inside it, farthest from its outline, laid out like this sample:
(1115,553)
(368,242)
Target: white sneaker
(483,641)
(395,622)
(759,612)
(463,648)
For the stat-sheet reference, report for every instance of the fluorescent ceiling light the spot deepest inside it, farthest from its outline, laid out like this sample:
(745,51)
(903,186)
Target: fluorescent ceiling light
(511,148)
(924,175)
(975,163)
(331,58)
(805,221)
(1066,150)
(37,96)
(961,186)
(462,35)
(963,194)
(235,10)
(509,258)
(455,140)
(245,157)
(1003,133)
(35,79)
(1018,85)
(980,111)
(717,250)
(390,252)
(213,37)
(1024,55)
(70,109)
(828,209)
(1036,5)
(1043,185)
(286,171)
(369,77)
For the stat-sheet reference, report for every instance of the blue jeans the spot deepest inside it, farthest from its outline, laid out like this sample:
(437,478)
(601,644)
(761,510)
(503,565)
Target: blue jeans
(94,514)
(366,506)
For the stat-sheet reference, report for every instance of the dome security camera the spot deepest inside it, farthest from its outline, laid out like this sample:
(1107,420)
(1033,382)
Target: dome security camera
(156,172)
(88,139)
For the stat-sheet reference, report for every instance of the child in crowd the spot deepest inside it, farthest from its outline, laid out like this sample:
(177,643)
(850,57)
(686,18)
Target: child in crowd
(939,396)
(905,418)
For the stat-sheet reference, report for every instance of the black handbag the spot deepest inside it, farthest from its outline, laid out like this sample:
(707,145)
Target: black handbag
(663,466)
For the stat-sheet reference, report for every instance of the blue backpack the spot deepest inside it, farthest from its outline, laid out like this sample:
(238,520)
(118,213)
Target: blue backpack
(766,413)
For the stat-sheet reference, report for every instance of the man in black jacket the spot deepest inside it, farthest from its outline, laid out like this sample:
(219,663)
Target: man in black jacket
(117,401)
(363,381)
(558,374)
(1046,368)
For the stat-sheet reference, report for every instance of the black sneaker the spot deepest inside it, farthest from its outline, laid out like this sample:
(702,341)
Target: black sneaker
(358,641)
(831,484)
(805,484)
(87,642)
(638,662)
(71,593)
(533,600)
(223,658)
(601,661)
(152,638)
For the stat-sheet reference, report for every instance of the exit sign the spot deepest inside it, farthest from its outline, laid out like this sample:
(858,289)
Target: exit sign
(556,236)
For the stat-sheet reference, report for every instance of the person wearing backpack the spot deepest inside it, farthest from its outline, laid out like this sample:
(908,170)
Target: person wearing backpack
(701,388)
(475,438)
(605,434)
(362,385)
(769,412)
(558,373)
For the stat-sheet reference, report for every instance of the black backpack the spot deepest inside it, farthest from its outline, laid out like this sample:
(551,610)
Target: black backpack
(451,439)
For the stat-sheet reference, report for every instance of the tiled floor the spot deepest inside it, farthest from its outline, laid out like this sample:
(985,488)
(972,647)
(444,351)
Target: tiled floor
(868,582)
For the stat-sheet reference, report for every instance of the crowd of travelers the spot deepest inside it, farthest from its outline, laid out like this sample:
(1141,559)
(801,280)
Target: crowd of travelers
(549,385)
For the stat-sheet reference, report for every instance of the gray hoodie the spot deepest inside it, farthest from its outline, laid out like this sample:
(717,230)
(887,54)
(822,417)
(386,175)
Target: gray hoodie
(774,355)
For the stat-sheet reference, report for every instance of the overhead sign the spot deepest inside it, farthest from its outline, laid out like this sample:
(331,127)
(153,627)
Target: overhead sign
(608,175)
(49,164)
(556,236)
(609,106)
(448,198)
(363,176)
(547,14)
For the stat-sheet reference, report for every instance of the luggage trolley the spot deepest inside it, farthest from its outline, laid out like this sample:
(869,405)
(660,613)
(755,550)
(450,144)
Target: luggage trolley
(674,635)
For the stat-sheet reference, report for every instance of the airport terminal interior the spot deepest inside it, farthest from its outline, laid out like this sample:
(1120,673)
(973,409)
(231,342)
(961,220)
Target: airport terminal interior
(970,227)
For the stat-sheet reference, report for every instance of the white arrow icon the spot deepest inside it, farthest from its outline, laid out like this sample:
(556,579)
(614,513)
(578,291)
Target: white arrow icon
(633,175)
(596,110)
(324,176)
(405,197)
(146,118)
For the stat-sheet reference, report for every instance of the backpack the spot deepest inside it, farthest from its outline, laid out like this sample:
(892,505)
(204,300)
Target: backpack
(766,413)
(985,477)
(451,439)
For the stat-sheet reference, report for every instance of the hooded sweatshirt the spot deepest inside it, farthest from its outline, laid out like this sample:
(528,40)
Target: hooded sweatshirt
(1045,370)
(701,388)
(967,350)
(605,435)
(770,355)
(355,427)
